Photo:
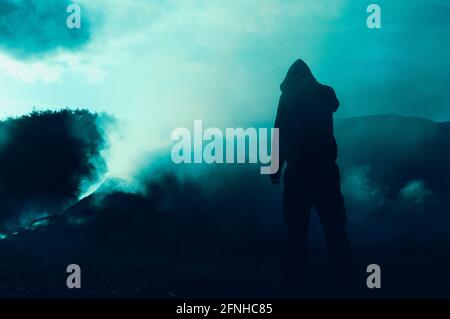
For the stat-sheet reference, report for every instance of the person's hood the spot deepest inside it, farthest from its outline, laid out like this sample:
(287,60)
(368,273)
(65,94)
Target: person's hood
(298,78)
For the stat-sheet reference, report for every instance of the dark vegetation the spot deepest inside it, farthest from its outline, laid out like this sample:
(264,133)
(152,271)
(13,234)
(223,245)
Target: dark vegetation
(44,157)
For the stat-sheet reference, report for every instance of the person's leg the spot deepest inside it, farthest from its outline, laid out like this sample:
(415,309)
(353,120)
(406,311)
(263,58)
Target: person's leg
(332,213)
(297,211)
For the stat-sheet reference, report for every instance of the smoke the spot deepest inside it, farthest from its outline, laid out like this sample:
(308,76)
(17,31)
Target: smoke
(165,66)
(222,62)
(360,188)
(415,191)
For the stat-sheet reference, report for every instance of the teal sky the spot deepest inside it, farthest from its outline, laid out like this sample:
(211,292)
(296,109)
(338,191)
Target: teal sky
(161,64)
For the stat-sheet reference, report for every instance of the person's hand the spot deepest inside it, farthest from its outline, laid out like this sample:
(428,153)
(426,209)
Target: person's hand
(275,178)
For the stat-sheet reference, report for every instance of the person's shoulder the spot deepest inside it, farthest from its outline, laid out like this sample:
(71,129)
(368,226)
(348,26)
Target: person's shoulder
(328,97)
(326,90)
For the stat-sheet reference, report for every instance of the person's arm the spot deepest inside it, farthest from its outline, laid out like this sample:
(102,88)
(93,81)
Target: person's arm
(275,178)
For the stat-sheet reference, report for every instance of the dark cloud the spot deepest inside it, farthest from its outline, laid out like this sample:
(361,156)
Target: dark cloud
(30,28)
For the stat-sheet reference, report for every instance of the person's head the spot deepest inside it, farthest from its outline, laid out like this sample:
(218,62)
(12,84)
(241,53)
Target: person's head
(299,77)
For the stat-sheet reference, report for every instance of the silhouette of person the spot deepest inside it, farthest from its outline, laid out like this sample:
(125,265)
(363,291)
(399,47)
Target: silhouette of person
(308,146)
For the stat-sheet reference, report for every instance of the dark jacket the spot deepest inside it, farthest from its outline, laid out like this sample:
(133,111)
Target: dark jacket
(305,119)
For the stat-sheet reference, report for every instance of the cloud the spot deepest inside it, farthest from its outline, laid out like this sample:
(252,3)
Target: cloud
(29,72)
(30,28)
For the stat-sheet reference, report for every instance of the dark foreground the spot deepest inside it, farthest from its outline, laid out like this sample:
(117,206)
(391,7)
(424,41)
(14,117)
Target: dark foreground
(34,266)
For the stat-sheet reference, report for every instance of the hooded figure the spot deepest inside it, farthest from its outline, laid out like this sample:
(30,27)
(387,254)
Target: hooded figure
(305,118)
(308,147)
